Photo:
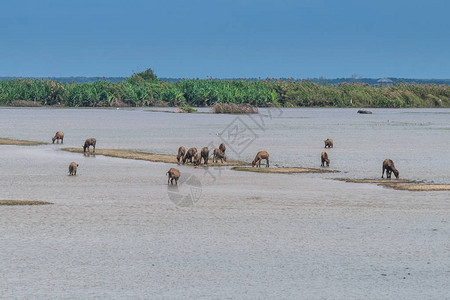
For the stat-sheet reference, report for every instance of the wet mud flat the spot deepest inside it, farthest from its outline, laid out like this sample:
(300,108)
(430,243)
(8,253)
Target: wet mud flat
(116,231)
(283,170)
(6,141)
(153,157)
(401,184)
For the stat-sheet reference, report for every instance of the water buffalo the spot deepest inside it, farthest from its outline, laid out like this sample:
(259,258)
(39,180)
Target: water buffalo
(324,158)
(88,143)
(329,143)
(218,154)
(73,168)
(364,112)
(260,156)
(181,153)
(222,148)
(197,159)
(173,174)
(189,155)
(389,166)
(205,155)
(59,135)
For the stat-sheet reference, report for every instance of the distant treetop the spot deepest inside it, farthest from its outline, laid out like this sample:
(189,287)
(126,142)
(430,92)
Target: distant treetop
(147,75)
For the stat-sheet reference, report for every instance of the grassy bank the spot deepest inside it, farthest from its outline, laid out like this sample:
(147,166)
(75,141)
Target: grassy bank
(144,89)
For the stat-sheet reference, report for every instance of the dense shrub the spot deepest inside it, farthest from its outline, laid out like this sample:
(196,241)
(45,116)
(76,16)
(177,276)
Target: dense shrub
(231,108)
(144,89)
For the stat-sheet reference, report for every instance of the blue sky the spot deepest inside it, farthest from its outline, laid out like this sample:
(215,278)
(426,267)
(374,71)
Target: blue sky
(224,39)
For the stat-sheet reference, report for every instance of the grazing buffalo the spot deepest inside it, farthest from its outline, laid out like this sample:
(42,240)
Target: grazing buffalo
(189,155)
(173,174)
(181,153)
(197,159)
(205,155)
(389,166)
(260,156)
(218,154)
(59,135)
(88,143)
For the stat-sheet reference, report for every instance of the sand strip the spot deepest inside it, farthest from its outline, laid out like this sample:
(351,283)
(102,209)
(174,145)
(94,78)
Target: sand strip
(5,141)
(378,181)
(422,187)
(283,170)
(23,202)
(165,158)
(402,184)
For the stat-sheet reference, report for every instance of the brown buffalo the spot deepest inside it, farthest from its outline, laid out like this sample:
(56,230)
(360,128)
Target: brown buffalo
(205,155)
(189,155)
(324,158)
(260,156)
(173,174)
(73,168)
(329,143)
(59,135)
(389,166)
(88,143)
(222,148)
(218,154)
(181,153)
(197,159)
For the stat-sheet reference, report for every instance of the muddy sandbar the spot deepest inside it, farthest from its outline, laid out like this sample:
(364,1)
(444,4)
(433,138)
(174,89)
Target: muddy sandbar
(283,170)
(402,184)
(165,158)
(23,202)
(5,141)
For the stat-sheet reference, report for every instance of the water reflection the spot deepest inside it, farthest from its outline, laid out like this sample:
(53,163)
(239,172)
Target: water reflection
(89,154)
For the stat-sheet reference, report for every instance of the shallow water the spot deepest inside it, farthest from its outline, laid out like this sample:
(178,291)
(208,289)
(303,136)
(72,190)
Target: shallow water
(116,230)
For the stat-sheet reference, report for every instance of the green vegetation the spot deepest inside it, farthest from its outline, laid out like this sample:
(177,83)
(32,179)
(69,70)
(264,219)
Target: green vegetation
(231,108)
(187,108)
(145,89)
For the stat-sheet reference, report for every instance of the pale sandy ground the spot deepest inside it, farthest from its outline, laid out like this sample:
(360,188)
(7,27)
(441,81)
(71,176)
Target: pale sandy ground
(113,232)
